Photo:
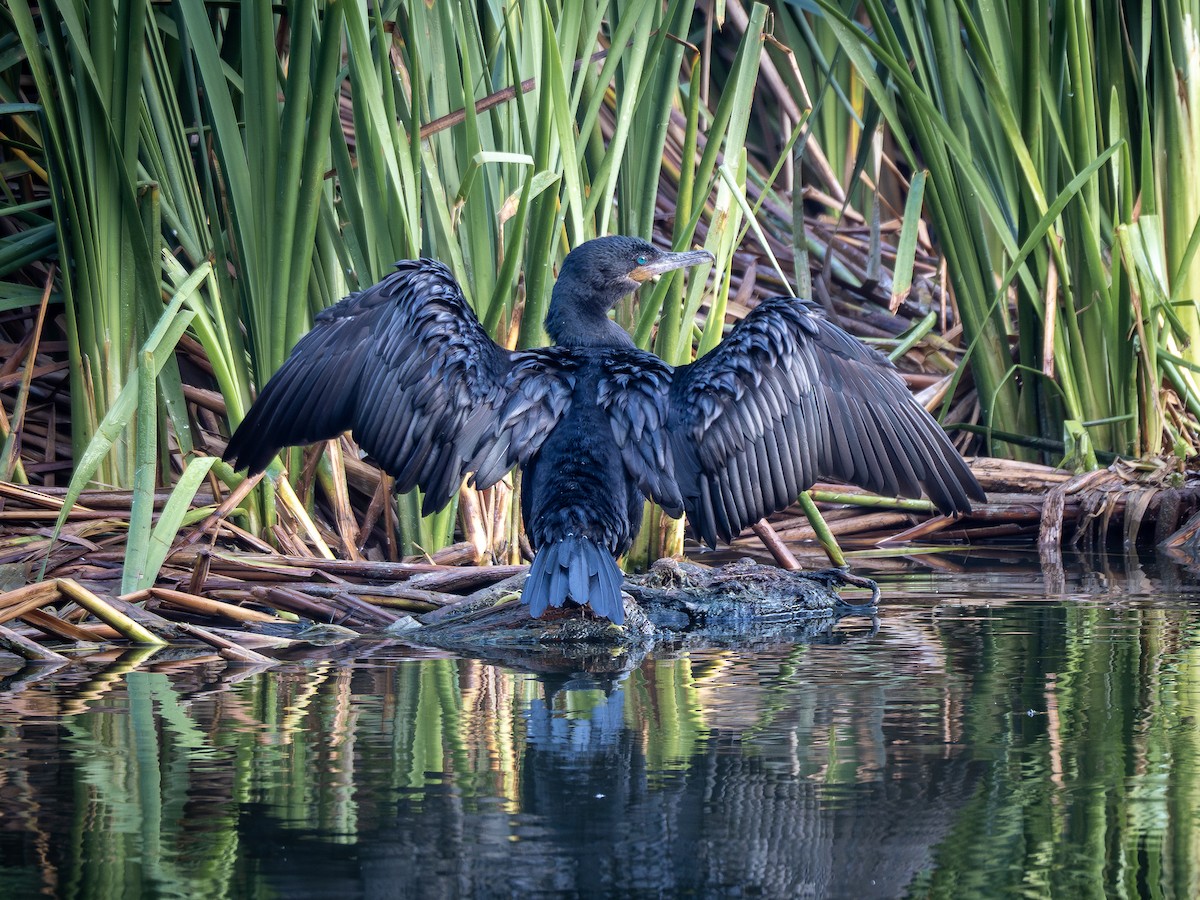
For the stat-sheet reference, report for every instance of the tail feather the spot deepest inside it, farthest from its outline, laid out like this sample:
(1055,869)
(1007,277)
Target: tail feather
(580,569)
(578,576)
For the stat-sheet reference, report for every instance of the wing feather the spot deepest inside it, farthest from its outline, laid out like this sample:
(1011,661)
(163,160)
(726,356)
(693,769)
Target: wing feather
(786,398)
(796,455)
(406,366)
(634,392)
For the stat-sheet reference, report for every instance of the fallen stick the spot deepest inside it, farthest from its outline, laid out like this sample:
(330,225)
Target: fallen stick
(362,611)
(227,648)
(108,614)
(379,594)
(17,603)
(127,604)
(204,606)
(249,640)
(228,505)
(27,649)
(294,602)
(222,562)
(52,625)
(777,548)
(921,530)
(843,527)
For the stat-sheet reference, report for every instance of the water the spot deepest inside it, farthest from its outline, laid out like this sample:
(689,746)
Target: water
(994,733)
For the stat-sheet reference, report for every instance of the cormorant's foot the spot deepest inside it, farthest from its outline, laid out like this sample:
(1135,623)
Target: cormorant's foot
(841,577)
(582,612)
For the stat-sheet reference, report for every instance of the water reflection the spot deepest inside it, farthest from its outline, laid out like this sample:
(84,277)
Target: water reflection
(985,740)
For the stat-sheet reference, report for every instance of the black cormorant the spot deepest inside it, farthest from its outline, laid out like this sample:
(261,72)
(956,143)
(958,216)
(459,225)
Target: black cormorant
(595,423)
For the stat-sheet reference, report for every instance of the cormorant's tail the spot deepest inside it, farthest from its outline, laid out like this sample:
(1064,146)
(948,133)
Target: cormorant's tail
(579,568)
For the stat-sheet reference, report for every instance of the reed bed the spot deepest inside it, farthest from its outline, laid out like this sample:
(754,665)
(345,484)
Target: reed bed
(223,589)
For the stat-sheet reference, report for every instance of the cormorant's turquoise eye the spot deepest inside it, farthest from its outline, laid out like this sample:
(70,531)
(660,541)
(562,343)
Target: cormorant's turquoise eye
(641,260)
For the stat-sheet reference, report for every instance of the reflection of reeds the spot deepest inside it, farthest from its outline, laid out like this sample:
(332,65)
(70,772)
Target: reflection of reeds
(162,757)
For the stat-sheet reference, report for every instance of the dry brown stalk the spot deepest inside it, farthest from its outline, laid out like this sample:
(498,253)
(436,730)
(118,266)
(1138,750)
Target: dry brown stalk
(75,515)
(1014,476)
(127,604)
(347,525)
(229,505)
(45,590)
(778,549)
(50,624)
(250,640)
(461,554)
(293,602)
(921,530)
(52,497)
(871,521)
(379,499)
(227,648)
(465,578)
(362,612)
(17,603)
(278,566)
(33,497)
(405,604)
(206,607)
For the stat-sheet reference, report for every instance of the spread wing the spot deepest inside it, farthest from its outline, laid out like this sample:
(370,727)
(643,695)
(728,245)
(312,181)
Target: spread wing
(406,366)
(789,397)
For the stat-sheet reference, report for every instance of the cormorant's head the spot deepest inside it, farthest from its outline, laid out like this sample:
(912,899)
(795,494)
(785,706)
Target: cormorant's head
(596,275)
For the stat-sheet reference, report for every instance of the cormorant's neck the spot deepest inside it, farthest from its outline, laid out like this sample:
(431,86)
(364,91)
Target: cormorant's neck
(578,314)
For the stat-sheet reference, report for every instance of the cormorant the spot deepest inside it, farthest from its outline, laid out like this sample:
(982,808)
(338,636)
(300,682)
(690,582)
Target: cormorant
(595,423)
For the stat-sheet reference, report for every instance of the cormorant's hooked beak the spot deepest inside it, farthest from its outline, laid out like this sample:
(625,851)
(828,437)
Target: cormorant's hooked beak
(669,262)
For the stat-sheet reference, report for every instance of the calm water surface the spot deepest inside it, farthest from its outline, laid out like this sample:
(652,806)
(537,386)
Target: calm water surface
(993,733)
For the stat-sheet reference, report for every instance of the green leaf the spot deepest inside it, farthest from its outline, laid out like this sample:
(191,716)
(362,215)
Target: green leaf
(171,518)
(906,248)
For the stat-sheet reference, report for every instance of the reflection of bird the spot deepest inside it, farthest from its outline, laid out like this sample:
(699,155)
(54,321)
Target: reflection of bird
(595,423)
